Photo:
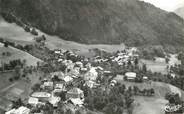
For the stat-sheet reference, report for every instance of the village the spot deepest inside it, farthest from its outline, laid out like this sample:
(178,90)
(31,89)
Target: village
(63,82)
(74,84)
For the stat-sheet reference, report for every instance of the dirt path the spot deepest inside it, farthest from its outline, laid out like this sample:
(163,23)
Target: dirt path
(8,87)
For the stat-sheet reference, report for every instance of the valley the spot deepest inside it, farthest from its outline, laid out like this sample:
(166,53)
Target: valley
(90,57)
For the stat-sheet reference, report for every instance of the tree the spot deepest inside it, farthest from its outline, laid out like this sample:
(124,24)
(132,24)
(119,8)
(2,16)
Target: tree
(34,32)
(36,87)
(136,62)
(6,44)
(152,91)
(144,68)
(48,108)
(17,72)
(136,90)
(167,60)
(78,112)
(18,103)
(24,62)
(68,111)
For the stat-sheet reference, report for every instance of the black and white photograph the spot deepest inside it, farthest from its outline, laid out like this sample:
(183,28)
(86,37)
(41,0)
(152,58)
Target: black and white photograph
(91,56)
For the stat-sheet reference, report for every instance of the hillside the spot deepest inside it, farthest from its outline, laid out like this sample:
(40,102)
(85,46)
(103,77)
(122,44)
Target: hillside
(155,104)
(180,12)
(101,21)
(17,54)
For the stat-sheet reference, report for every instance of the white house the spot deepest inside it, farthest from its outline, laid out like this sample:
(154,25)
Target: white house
(41,95)
(20,110)
(130,75)
(48,85)
(33,101)
(68,79)
(54,100)
(59,88)
(92,74)
(91,84)
(77,102)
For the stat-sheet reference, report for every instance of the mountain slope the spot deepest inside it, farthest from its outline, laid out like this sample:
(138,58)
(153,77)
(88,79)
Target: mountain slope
(180,12)
(101,21)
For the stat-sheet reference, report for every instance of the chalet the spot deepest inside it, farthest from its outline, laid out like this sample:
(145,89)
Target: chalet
(20,110)
(33,101)
(74,73)
(43,96)
(59,88)
(113,83)
(130,76)
(92,74)
(145,78)
(48,85)
(54,100)
(75,93)
(57,51)
(77,102)
(88,65)
(80,64)
(91,84)
(68,79)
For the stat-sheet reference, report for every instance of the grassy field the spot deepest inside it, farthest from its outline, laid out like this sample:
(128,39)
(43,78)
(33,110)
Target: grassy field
(13,31)
(17,54)
(155,104)
(20,88)
(4,79)
(155,66)
(17,34)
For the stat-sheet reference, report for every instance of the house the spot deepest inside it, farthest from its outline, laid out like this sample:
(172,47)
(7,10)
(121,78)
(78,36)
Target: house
(91,84)
(44,96)
(77,102)
(92,74)
(145,78)
(80,64)
(75,93)
(48,85)
(12,111)
(74,73)
(59,88)
(33,101)
(83,70)
(20,110)
(130,76)
(54,100)
(68,79)
(113,83)
(88,65)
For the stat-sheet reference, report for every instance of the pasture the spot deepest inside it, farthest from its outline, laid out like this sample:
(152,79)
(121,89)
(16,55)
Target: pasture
(16,54)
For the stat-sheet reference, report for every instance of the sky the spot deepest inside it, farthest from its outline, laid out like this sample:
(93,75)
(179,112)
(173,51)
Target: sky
(168,5)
